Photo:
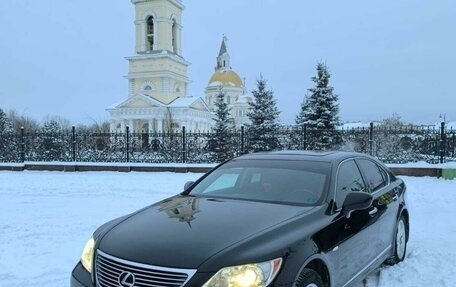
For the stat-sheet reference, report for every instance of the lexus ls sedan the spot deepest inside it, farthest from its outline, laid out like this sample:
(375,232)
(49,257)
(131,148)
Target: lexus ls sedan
(304,219)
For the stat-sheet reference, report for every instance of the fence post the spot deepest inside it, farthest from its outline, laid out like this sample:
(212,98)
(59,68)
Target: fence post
(128,143)
(371,138)
(442,143)
(22,145)
(242,139)
(184,146)
(73,137)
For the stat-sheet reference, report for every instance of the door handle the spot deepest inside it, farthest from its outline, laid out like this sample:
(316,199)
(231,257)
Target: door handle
(373,211)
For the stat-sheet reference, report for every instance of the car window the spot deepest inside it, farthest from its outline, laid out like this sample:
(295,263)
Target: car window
(277,181)
(349,179)
(376,177)
(226,180)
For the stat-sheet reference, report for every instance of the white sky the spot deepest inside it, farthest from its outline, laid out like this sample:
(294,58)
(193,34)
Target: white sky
(67,57)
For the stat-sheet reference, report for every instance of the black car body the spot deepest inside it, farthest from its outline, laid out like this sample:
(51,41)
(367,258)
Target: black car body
(326,219)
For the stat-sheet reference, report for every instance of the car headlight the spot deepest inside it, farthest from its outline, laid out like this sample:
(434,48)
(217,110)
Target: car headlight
(249,275)
(87,255)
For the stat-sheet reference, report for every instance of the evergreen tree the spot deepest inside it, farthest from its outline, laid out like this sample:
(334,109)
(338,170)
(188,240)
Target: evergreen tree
(320,110)
(264,116)
(5,123)
(8,147)
(222,144)
(51,142)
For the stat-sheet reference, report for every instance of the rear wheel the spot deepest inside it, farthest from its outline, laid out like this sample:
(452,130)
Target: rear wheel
(400,243)
(309,278)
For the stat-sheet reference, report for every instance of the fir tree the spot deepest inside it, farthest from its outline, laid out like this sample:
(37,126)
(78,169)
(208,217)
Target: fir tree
(51,143)
(8,146)
(320,109)
(264,116)
(5,123)
(222,144)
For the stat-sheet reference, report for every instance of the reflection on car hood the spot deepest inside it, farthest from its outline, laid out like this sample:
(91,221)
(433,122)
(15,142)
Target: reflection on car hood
(184,231)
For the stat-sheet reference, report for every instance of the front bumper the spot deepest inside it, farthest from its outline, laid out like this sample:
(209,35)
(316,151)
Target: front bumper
(80,277)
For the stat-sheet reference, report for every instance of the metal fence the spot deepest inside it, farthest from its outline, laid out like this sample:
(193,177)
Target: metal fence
(391,145)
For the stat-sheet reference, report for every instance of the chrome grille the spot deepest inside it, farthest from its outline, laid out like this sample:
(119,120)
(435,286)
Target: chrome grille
(108,270)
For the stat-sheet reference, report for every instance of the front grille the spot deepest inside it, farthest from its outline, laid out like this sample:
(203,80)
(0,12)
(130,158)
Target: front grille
(110,270)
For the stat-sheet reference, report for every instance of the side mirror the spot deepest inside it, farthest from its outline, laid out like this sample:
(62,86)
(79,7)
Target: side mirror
(188,184)
(356,201)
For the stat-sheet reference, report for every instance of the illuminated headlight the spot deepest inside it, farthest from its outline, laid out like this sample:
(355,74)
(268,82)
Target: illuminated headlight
(87,255)
(249,275)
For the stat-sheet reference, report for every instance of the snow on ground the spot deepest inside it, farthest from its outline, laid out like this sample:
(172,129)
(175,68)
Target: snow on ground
(46,218)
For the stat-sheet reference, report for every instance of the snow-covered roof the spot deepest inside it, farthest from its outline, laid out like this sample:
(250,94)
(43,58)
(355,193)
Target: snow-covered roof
(354,125)
(145,98)
(183,102)
(187,102)
(450,125)
(243,99)
(115,105)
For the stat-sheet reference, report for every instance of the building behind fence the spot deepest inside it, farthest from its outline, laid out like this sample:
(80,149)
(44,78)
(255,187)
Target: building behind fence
(400,145)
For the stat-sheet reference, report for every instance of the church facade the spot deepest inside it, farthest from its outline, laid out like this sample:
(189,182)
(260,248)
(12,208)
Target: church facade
(226,80)
(157,79)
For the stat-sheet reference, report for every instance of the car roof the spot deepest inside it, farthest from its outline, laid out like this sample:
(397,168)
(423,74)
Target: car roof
(323,156)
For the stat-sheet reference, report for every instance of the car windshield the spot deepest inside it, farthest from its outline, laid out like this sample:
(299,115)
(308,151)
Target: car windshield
(278,181)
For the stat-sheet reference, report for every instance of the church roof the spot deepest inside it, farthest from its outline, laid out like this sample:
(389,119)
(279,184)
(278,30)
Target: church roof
(144,101)
(225,78)
(185,102)
(223,49)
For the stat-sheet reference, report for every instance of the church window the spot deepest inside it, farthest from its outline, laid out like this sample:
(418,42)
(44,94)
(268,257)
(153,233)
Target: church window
(150,33)
(228,100)
(147,86)
(174,36)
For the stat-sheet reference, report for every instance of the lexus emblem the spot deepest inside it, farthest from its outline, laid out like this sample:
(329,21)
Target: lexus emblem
(126,279)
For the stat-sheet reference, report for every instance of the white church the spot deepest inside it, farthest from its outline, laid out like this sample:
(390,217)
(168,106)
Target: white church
(157,79)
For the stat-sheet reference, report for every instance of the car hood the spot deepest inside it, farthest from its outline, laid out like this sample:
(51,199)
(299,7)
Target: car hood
(185,231)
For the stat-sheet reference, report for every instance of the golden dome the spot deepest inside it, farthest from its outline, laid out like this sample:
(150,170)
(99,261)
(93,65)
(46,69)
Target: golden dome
(227,78)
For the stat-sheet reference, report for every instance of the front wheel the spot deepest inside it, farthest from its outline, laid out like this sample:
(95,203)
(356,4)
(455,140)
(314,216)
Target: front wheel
(309,278)
(400,243)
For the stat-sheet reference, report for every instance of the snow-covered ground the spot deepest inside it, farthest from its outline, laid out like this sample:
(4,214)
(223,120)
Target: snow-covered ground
(46,218)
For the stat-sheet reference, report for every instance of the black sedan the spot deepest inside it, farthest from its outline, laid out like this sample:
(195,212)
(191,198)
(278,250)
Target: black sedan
(300,219)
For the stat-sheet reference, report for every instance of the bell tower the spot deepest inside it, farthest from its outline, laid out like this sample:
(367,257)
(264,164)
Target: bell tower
(158,69)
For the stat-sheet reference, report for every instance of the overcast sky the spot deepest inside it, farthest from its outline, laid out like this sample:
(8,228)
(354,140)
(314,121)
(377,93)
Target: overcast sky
(67,57)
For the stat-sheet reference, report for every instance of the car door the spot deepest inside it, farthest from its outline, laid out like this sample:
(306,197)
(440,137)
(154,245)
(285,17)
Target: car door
(347,240)
(385,205)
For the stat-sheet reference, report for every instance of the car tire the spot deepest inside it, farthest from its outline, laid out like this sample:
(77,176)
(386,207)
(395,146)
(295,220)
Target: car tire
(309,278)
(399,243)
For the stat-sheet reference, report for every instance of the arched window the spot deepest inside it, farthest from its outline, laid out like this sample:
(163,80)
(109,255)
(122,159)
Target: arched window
(147,86)
(174,36)
(150,33)
(228,100)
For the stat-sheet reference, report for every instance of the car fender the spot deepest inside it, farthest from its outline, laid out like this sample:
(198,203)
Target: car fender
(314,260)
